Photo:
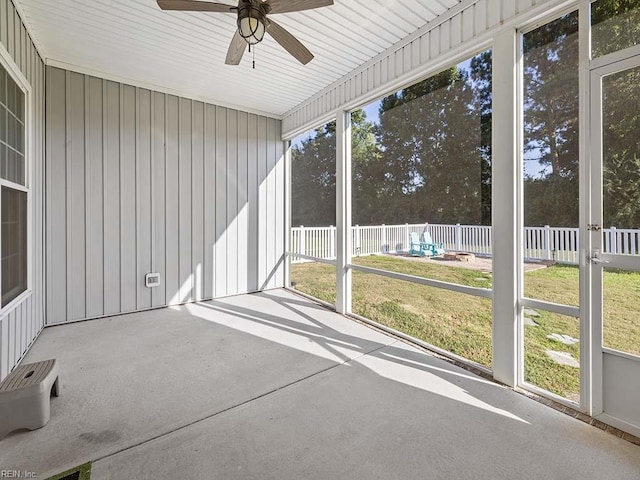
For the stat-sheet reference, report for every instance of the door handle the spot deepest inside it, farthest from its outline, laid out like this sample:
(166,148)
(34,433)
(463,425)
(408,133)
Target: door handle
(598,261)
(597,258)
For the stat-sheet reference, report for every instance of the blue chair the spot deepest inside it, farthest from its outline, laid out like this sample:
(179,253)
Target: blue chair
(417,248)
(437,248)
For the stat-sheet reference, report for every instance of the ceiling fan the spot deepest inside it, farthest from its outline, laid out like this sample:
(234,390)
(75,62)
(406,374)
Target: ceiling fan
(253,23)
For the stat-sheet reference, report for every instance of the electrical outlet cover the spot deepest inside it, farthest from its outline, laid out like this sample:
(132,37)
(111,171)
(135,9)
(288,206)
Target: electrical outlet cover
(152,280)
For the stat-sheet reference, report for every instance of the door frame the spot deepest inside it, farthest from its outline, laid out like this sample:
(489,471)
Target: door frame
(593,268)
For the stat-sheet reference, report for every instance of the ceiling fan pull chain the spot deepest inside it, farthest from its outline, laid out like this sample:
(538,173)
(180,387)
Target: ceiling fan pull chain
(254,58)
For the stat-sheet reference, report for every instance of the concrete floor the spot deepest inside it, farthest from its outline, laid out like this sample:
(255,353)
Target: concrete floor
(271,386)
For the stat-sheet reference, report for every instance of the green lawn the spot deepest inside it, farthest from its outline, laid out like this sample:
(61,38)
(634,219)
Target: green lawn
(462,324)
(621,315)
(557,284)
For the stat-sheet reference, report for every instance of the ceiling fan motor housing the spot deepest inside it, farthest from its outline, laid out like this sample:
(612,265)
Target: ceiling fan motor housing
(252,20)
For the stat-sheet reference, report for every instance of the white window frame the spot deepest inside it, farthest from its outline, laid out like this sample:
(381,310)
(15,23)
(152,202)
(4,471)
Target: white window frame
(343,262)
(7,62)
(523,301)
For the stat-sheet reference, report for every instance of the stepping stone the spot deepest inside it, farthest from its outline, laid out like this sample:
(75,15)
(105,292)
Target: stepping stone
(482,279)
(563,358)
(531,313)
(530,322)
(566,339)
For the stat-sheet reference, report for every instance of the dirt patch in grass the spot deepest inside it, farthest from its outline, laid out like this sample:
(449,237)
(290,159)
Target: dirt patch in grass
(481,263)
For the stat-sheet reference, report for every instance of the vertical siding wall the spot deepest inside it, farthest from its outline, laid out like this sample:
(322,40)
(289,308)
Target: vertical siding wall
(20,327)
(433,46)
(139,181)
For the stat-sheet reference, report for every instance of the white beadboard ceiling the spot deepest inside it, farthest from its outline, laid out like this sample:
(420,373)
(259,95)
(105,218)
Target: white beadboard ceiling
(184,53)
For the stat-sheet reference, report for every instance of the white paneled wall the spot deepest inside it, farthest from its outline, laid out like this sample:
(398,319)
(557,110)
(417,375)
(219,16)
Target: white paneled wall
(20,326)
(140,181)
(432,47)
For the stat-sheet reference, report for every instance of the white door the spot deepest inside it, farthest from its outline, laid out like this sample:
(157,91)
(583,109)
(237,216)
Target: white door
(614,231)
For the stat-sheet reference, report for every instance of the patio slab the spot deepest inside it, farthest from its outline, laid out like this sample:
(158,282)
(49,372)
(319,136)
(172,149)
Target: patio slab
(271,386)
(130,378)
(395,413)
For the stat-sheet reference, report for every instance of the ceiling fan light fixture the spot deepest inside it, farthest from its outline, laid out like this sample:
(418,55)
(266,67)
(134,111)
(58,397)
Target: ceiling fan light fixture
(251,24)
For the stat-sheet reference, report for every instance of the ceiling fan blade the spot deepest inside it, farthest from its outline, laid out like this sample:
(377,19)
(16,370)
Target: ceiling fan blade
(236,49)
(290,43)
(194,6)
(285,6)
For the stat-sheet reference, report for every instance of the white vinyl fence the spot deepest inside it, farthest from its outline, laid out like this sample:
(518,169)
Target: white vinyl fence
(558,244)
